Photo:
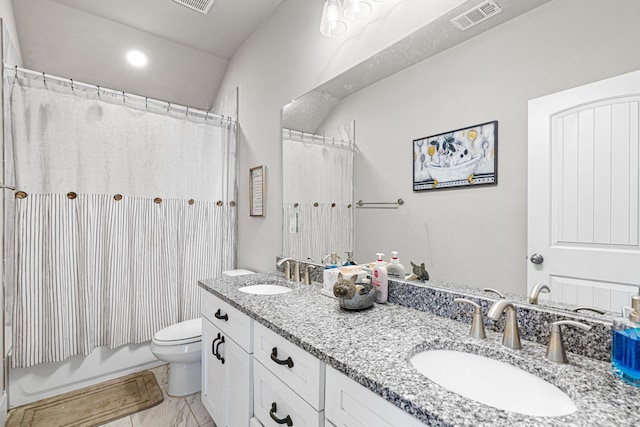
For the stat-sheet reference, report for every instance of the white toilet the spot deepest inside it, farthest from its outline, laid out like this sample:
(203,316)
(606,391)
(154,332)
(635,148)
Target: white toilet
(181,346)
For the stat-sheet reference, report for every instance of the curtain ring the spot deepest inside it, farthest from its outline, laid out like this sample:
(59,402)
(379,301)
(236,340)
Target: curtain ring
(316,204)
(117,197)
(191,201)
(71,195)
(21,195)
(219,203)
(157,200)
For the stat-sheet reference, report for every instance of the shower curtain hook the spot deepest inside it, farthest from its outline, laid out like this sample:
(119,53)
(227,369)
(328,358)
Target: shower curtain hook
(98,91)
(44,79)
(71,85)
(168,106)
(206,116)
(124,99)
(187,113)
(16,72)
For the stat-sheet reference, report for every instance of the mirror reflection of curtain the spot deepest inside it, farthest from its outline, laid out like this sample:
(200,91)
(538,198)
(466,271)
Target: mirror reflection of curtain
(127,205)
(317,195)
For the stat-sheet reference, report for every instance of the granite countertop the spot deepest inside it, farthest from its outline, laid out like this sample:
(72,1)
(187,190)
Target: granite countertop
(373,347)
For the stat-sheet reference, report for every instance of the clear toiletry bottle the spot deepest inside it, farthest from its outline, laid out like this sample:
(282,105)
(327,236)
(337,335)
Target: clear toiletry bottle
(349,260)
(332,259)
(394,268)
(625,352)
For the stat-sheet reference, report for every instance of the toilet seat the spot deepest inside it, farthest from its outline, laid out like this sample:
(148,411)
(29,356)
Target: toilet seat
(186,332)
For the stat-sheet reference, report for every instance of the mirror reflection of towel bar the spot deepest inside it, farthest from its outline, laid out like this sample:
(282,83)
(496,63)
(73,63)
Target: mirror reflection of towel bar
(379,205)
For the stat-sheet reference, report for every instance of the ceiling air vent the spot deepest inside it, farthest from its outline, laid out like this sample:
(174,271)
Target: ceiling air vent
(201,6)
(482,12)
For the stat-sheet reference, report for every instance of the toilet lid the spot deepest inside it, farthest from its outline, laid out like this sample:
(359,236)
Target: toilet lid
(190,330)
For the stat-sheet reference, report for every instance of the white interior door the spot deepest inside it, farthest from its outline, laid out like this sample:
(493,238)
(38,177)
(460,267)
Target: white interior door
(583,205)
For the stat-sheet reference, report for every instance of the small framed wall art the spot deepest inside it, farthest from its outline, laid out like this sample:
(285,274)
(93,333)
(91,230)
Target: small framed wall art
(256,191)
(459,158)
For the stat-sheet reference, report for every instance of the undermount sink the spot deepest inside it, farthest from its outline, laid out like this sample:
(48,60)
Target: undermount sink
(266,289)
(493,383)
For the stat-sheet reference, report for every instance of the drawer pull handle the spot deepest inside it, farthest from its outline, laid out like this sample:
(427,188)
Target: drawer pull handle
(274,357)
(217,353)
(221,316)
(286,420)
(213,345)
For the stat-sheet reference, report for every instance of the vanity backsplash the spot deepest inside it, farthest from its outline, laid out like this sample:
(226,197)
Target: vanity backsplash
(534,320)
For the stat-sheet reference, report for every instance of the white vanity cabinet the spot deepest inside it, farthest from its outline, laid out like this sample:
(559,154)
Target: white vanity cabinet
(351,405)
(288,382)
(227,362)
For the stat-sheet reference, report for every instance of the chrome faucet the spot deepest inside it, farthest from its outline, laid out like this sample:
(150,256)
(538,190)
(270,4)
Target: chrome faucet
(477,325)
(555,350)
(511,337)
(536,291)
(287,268)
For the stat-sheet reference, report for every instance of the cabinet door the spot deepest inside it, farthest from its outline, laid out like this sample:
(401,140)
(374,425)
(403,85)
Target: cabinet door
(213,374)
(239,387)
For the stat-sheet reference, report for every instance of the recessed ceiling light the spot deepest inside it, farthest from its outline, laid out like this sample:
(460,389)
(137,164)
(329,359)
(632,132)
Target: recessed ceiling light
(136,58)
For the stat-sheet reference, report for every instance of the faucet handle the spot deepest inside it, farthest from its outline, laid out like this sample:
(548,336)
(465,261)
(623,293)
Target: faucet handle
(555,350)
(477,325)
(287,270)
(495,291)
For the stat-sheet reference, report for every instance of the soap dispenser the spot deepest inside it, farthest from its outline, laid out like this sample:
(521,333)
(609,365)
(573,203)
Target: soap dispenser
(332,260)
(349,260)
(394,268)
(625,351)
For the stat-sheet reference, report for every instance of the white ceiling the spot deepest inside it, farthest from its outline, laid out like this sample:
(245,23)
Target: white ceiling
(87,40)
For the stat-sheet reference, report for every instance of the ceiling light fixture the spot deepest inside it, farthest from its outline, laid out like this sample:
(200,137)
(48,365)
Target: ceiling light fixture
(136,58)
(356,10)
(332,24)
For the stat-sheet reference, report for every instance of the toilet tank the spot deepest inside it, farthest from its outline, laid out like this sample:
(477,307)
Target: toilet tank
(238,272)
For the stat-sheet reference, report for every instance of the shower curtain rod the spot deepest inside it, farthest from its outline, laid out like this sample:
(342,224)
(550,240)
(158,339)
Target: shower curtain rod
(321,140)
(87,87)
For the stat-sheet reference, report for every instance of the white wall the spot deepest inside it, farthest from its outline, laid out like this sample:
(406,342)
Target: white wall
(475,236)
(283,59)
(6,13)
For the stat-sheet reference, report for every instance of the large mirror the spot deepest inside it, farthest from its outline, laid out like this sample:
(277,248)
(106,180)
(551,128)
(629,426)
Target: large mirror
(428,84)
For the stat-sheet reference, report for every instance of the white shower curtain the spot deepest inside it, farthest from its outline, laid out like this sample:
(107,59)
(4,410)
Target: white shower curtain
(128,203)
(317,195)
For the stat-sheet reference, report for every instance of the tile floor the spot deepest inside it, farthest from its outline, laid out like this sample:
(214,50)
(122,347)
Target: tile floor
(186,411)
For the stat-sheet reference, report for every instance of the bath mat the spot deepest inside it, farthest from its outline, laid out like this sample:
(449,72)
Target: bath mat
(91,406)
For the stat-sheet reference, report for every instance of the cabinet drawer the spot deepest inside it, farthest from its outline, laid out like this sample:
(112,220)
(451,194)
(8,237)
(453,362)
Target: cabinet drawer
(304,373)
(351,405)
(269,390)
(229,320)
